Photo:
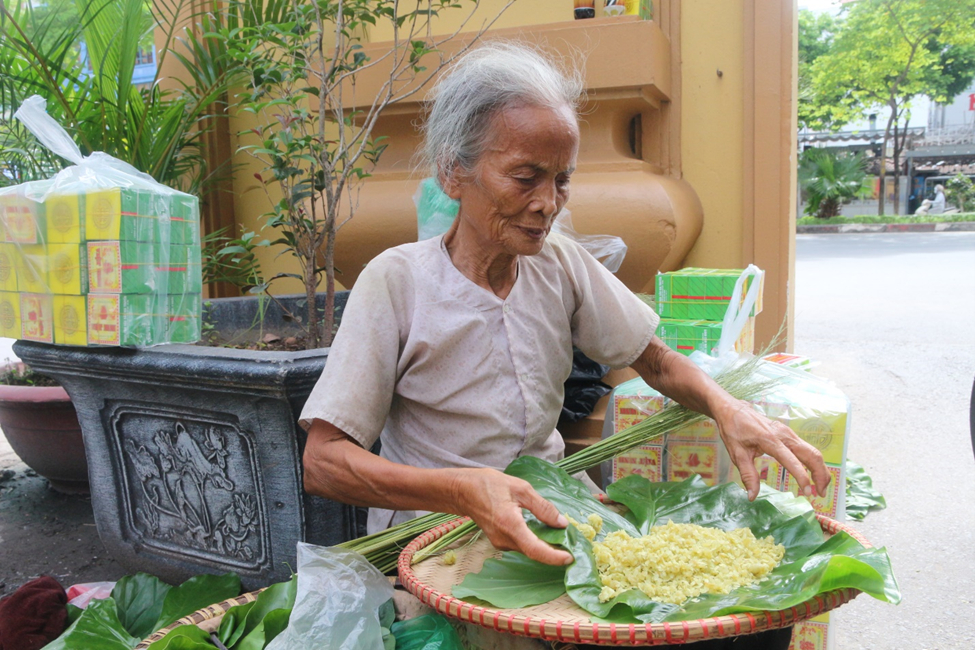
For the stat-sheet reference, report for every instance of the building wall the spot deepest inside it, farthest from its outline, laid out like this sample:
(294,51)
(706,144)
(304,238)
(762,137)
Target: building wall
(734,65)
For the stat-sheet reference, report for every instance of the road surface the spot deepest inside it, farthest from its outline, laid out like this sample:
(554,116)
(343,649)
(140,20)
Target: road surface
(891,317)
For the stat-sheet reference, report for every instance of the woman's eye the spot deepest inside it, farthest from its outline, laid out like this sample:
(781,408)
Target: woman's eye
(524,180)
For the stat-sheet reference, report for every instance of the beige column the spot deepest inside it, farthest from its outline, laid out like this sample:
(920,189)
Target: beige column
(769,161)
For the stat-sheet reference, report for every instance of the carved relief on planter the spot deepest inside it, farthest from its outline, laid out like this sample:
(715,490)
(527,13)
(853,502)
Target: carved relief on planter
(192,484)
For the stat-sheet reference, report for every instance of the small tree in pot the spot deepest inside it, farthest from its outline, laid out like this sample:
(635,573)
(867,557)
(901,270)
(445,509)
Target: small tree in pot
(316,150)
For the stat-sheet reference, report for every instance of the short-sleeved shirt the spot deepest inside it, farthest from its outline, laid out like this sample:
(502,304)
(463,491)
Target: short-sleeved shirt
(447,374)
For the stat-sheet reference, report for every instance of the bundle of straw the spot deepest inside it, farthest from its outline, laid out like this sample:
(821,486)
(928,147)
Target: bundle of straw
(382,549)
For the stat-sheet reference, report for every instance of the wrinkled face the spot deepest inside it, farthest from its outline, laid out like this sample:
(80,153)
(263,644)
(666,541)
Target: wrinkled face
(521,181)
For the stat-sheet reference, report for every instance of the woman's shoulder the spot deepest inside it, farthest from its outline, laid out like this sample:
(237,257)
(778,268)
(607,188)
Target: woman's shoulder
(404,258)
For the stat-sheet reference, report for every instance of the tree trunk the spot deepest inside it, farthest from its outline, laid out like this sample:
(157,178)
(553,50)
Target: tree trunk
(897,170)
(881,194)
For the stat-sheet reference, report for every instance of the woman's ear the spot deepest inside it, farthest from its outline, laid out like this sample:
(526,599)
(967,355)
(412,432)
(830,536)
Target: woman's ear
(450,182)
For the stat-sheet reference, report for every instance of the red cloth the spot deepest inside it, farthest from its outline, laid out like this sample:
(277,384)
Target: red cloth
(34,615)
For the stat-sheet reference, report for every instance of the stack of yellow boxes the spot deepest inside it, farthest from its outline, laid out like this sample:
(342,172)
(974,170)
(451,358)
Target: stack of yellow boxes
(104,267)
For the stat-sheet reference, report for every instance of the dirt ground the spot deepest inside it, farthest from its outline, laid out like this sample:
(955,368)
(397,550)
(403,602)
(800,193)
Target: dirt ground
(43,532)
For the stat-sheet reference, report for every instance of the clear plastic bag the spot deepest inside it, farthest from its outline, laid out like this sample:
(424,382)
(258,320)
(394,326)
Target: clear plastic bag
(608,249)
(435,212)
(100,254)
(338,603)
(427,632)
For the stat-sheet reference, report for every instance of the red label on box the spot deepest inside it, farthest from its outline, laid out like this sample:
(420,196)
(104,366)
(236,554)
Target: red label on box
(103,320)
(104,267)
(21,223)
(685,459)
(37,321)
(645,461)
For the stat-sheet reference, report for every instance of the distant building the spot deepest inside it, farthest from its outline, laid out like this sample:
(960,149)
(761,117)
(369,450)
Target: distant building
(948,146)
(940,143)
(145,64)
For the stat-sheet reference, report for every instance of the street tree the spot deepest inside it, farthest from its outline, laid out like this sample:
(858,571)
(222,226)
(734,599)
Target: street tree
(887,52)
(819,109)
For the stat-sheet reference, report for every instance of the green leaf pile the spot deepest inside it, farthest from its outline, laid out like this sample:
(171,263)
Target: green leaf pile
(811,566)
(250,626)
(141,604)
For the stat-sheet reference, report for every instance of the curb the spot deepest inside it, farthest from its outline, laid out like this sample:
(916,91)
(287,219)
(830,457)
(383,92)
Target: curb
(849,228)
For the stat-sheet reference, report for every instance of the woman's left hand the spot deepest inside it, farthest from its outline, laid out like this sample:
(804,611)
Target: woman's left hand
(748,434)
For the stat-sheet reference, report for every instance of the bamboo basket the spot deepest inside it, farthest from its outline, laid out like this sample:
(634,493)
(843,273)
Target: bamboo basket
(563,621)
(207,618)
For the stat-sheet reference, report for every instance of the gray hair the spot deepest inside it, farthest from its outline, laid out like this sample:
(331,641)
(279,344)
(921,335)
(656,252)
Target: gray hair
(494,77)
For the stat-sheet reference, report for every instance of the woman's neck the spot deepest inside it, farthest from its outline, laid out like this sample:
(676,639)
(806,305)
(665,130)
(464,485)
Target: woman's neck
(485,266)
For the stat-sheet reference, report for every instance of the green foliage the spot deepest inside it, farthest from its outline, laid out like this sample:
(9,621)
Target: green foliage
(20,374)
(140,605)
(885,52)
(314,135)
(961,191)
(810,566)
(233,260)
(818,108)
(828,180)
(867,218)
(156,130)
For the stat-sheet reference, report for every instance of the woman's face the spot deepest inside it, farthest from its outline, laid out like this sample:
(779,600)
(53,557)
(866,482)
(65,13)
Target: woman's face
(520,182)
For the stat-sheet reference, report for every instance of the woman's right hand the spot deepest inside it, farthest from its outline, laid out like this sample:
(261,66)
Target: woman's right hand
(495,500)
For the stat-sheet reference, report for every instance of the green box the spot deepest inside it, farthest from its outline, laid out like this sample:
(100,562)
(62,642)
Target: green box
(184,318)
(132,267)
(700,294)
(121,319)
(185,216)
(686,336)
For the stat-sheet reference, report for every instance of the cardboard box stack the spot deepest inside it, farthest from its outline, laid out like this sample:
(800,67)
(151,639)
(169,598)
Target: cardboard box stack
(692,303)
(116,266)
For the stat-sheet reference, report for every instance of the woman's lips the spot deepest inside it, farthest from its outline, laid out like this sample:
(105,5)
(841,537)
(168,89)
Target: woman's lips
(535,233)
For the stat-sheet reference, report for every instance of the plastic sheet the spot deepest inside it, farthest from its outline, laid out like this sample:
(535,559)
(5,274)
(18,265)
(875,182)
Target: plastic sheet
(100,254)
(82,594)
(338,602)
(813,407)
(427,632)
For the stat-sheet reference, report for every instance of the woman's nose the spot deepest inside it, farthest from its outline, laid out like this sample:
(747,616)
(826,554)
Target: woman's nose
(545,199)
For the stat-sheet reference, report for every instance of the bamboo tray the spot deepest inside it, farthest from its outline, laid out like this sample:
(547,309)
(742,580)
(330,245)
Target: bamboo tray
(207,618)
(562,620)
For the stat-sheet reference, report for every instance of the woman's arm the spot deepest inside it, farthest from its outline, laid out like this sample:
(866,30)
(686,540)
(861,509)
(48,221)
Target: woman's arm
(746,433)
(336,467)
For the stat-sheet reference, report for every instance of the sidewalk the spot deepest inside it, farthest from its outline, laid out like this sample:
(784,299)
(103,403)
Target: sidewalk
(43,532)
(958,226)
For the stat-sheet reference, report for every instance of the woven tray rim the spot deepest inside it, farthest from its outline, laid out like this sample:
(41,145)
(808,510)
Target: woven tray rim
(613,633)
(207,613)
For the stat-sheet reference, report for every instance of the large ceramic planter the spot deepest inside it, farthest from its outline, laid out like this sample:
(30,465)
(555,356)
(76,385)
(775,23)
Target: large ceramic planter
(41,426)
(195,453)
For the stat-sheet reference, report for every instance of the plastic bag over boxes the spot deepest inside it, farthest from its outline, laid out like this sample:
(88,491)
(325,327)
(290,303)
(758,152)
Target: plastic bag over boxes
(811,406)
(101,254)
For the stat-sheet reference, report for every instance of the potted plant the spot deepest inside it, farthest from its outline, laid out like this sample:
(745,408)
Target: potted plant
(195,452)
(39,421)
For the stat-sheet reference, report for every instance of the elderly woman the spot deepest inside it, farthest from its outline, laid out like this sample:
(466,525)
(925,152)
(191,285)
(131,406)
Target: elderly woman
(453,351)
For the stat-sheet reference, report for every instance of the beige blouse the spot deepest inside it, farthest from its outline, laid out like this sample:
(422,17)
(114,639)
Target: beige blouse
(447,374)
